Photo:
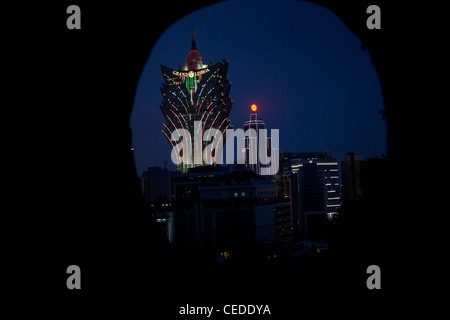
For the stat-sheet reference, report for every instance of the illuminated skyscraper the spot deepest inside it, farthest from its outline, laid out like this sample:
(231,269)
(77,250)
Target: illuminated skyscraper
(252,147)
(198,93)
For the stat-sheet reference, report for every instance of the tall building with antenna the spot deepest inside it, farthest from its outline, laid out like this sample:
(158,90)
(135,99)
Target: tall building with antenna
(253,148)
(195,93)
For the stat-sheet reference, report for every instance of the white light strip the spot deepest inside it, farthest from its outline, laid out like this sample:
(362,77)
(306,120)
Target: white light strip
(333,205)
(334,198)
(326,163)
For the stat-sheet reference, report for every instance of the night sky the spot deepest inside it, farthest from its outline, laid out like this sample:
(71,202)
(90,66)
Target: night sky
(296,61)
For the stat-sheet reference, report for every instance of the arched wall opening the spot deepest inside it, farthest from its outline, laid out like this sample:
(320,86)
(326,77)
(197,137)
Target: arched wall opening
(310,76)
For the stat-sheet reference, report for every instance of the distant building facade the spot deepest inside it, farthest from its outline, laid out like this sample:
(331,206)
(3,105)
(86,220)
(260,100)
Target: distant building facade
(225,208)
(253,147)
(314,191)
(156,186)
(351,179)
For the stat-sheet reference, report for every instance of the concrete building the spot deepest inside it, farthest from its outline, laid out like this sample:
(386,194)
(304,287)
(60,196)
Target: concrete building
(315,191)
(225,209)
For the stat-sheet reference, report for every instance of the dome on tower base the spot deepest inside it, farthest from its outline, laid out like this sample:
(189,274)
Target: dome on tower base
(194,61)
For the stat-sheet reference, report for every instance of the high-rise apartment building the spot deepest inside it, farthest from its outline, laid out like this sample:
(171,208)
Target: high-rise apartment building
(315,191)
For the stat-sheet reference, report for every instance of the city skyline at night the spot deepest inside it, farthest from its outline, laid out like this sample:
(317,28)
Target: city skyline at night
(315,119)
(308,77)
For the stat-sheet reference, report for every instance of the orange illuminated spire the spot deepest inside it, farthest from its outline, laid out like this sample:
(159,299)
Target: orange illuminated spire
(254,107)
